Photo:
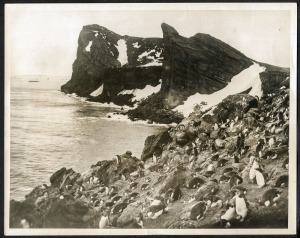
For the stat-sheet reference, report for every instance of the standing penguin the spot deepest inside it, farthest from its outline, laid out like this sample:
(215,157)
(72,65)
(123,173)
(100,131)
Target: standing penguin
(260,177)
(235,180)
(270,197)
(241,205)
(198,211)
(272,141)
(252,172)
(259,147)
(228,216)
(176,194)
(104,221)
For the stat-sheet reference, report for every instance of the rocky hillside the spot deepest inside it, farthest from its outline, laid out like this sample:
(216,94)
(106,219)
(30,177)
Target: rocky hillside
(223,167)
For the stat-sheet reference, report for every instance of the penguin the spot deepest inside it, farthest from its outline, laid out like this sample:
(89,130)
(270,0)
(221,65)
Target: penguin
(111,195)
(104,221)
(226,170)
(221,162)
(228,216)
(270,197)
(224,179)
(133,195)
(136,224)
(230,173)
(216,127)
(252,172)
(145,186)
(260,177)
(241,206)
(118,159)
(198,211)
(133,185)
(155,211)
(259,147)
(24,223)
(214,157)
(240,188)
(195,182)
(113,189)
(229,197)
(285,163)
(118,208)
(208,174)
(109,204)
(212,200)
(176,194)
(116,199)
(167,195)
(211,167)
(235,180)
(282,181)
(271,141)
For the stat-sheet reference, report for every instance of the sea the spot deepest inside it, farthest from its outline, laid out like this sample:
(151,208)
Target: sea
(50,130)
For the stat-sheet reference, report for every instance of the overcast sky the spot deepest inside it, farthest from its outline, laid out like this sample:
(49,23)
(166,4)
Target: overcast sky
(45,41)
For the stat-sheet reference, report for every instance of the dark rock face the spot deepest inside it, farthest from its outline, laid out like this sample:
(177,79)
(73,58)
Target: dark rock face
(153,145)
(64,177)
(200,63)
(97,64)
(273,80)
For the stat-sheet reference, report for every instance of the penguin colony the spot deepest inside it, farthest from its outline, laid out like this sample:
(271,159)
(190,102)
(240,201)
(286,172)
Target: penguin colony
(223,165)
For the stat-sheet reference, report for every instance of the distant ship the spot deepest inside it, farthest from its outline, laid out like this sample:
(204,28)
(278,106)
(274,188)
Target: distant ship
(33,81)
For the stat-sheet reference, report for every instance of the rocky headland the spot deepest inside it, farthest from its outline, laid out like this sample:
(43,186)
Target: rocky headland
(223,165)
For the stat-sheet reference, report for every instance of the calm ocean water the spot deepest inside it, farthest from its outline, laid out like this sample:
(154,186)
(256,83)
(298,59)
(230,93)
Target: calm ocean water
(50,130)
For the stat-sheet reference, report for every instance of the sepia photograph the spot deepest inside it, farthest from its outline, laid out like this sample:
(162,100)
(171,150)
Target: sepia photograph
(143,118)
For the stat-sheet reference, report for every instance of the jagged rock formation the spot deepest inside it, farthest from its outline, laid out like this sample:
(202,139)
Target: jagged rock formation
(200,64)
(117,63)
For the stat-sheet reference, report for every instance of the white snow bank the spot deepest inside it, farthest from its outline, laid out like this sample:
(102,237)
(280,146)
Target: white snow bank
(98,91)
(139,94)
(96,33)
(122,48)
(136,45)
(154,62)
(239,83)
(88,47)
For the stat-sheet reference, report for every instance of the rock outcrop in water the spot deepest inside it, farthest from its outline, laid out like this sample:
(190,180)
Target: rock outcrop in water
(236,150)
(115,65)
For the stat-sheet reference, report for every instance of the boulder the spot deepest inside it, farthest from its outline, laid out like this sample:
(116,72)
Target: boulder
(128,216)
(154,143)
(63,177)
(68,213)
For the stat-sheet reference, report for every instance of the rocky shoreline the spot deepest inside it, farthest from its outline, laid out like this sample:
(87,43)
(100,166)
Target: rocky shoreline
(194,175)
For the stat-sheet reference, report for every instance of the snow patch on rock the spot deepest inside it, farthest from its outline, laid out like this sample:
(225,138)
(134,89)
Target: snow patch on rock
(98,91)
(88,47)
(96,33)
(239,83)
(136,45)
(154,62)
(122,48)
(139,94)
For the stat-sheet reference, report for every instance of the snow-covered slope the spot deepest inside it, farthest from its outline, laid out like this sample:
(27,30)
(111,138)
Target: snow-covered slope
(139,94)
(246,79)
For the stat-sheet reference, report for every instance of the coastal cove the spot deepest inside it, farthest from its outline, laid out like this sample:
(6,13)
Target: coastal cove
(51,130)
